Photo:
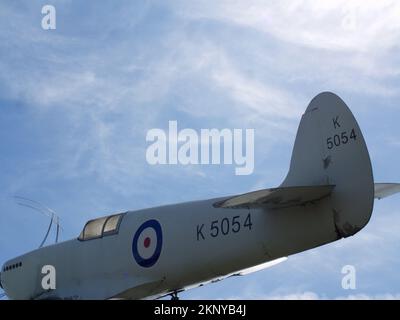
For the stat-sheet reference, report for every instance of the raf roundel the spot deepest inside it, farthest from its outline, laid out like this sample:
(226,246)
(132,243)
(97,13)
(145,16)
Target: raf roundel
(147,243)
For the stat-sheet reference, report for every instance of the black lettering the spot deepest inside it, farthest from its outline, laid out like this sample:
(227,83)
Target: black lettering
(214,229)
(235,224)
(329,143)
(200,232)
(247,222)
(345,139)
(225,226)
(336,123)
(353,135)
(336,140)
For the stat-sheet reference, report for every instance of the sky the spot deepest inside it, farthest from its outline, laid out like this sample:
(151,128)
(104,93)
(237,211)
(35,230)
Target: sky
(76,104)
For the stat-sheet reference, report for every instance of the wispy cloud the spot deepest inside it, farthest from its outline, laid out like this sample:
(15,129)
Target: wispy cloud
(309,295)
(309,23)
(339,43)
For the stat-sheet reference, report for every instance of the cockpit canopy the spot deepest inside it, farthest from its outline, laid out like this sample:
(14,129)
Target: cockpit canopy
(100,227)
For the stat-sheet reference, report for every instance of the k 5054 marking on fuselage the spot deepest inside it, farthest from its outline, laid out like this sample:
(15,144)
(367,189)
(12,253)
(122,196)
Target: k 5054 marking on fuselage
(223,227)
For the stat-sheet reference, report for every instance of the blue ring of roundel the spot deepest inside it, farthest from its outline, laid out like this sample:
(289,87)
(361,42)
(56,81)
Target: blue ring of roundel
(146,263)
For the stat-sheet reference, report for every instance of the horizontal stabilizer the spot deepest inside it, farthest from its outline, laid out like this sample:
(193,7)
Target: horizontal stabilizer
(383,190)
(276,198)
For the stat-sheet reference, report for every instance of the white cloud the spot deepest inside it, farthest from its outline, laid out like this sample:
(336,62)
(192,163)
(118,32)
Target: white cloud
(362,296)
(90,84)
(309,295)
(358,25)
(260,98)
(346,45)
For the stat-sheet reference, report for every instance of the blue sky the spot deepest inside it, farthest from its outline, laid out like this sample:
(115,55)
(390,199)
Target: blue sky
(76,104)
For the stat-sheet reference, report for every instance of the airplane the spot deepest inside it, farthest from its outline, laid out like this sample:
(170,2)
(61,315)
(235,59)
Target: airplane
(328,194)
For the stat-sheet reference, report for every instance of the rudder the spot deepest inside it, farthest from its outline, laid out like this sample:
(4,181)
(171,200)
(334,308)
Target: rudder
(330,149)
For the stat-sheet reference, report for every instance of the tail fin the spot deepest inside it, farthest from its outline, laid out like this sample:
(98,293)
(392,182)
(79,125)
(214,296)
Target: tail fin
(330,150)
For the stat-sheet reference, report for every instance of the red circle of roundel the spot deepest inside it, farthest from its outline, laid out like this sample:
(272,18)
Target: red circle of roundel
(147,242)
